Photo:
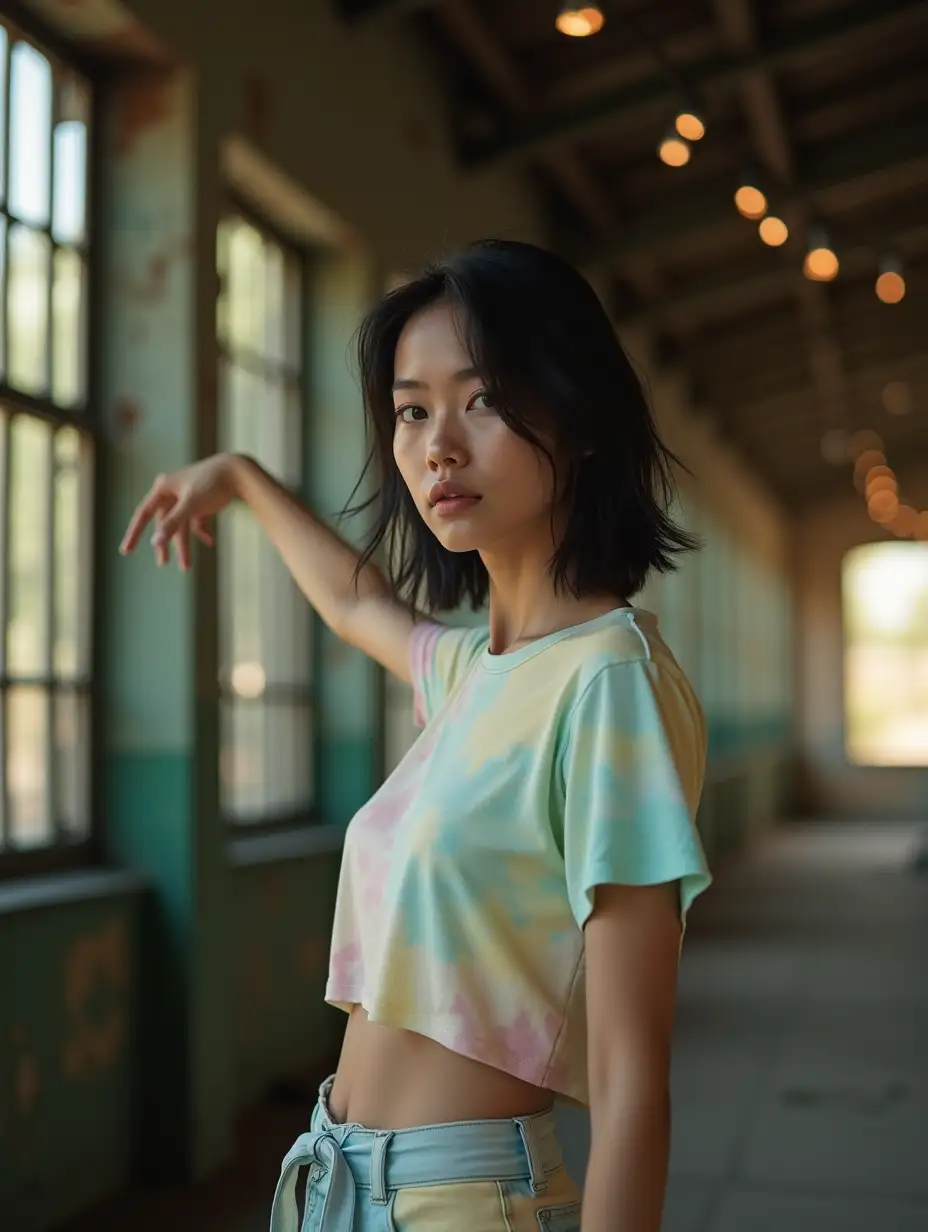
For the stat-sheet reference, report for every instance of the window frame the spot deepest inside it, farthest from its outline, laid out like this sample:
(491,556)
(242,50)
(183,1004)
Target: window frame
(62,854)
(236,204)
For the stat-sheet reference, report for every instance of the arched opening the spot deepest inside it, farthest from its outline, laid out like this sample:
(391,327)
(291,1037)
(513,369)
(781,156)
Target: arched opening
(885,605)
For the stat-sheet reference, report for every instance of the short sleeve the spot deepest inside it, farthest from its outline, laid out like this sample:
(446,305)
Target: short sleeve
(440,656)
(633,765)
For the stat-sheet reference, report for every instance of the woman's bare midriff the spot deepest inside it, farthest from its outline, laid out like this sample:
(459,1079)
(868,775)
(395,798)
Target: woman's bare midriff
(389,1078)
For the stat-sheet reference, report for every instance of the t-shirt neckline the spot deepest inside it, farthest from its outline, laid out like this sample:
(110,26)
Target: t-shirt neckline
(512,658)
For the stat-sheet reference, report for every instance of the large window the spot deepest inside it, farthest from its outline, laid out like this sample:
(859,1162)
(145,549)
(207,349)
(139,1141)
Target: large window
(886,654)
(266,625)
(46,452)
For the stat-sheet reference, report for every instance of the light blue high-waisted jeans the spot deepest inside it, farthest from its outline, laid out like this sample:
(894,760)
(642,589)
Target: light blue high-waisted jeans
(465,1176)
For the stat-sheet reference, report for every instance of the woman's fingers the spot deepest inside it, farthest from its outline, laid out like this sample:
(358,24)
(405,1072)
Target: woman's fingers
(182,546)
(160,540)
(199,528)
(156,499)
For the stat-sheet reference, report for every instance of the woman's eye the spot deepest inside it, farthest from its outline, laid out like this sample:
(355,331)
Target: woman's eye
(484,401)
(405,413)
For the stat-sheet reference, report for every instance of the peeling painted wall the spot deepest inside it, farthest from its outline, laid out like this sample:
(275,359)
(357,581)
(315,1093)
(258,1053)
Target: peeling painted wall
(68,1056)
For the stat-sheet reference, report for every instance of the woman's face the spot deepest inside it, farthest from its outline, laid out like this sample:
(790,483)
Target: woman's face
(447,430)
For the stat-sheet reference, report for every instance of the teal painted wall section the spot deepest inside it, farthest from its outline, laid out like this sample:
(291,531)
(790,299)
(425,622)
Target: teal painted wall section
(159,760)
(343,284)
(283,912)
(69,1055)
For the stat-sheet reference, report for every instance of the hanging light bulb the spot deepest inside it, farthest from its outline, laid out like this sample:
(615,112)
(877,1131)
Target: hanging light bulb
(750,199)
(673,150)
(580,20)
(890,284)
(690,124)
(773,231)
(821,262)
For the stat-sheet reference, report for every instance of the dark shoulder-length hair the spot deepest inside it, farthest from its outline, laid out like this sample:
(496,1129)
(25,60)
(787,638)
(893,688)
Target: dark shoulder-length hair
(547,351)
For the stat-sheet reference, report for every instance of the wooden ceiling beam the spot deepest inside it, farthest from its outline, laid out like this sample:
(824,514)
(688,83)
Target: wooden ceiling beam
(772,143)
(502,76)
(716,298)
(909,368)
(868,165)
(823,33)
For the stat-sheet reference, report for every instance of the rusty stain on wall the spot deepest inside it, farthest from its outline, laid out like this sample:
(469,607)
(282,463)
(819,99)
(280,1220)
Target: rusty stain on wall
(20,1086)
(96,976)
(153,285)
(144,101)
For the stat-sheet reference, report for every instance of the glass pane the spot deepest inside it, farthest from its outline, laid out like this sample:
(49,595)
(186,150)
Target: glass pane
(72,761)
(885,597)
(27,310)
(68,327)
(285,621)
(2,293)
(68,213)
(30,134)
(294,434)
(3,42)
(275,319)
(294,310)
(30,480)
(27,767)
(223,233)
(69,558)
(247,306)
(241,420)
(239,563)
(266,760)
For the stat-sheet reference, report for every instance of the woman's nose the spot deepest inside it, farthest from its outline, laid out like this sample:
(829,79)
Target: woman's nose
(443,450)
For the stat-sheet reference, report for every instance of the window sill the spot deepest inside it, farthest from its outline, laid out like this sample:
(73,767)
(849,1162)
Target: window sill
(251,849)
(38,893)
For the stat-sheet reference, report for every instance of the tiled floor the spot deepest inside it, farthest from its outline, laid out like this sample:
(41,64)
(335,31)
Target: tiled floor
(801,1066)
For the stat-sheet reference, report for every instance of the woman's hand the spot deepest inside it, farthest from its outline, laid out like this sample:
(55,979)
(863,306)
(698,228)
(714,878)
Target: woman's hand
(180,503)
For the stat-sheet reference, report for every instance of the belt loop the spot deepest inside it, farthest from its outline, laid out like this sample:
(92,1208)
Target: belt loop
(536,1170)
(379,1168)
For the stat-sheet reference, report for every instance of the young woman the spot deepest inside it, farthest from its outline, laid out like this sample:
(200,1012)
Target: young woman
(513,898)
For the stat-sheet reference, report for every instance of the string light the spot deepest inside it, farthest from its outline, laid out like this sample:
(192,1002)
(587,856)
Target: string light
(673,150)
(773,231)
(750,199)
(821,262)
(580,21)
(690,124)
(890,284)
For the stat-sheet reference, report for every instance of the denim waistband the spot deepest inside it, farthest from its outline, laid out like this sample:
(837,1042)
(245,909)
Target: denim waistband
(520,1148)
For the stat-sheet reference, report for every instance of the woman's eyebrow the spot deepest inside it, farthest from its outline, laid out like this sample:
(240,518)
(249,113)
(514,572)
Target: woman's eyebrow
(466,374)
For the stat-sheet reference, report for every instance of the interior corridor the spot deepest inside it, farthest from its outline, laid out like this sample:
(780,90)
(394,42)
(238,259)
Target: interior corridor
(800,1077)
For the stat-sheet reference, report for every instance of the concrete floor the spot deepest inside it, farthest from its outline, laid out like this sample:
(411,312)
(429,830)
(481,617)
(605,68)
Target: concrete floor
(801,1068)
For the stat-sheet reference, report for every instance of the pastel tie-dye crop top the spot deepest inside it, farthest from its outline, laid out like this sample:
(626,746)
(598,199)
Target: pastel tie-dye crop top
(466,880)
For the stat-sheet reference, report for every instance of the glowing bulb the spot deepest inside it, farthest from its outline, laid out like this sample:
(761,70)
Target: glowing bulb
(580,21)
(750,202)
(905,521)
(248,679)
(883,507)
(821,265)
(674,151)
(690,125)
(773,231)
(864,440)
(890,287)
